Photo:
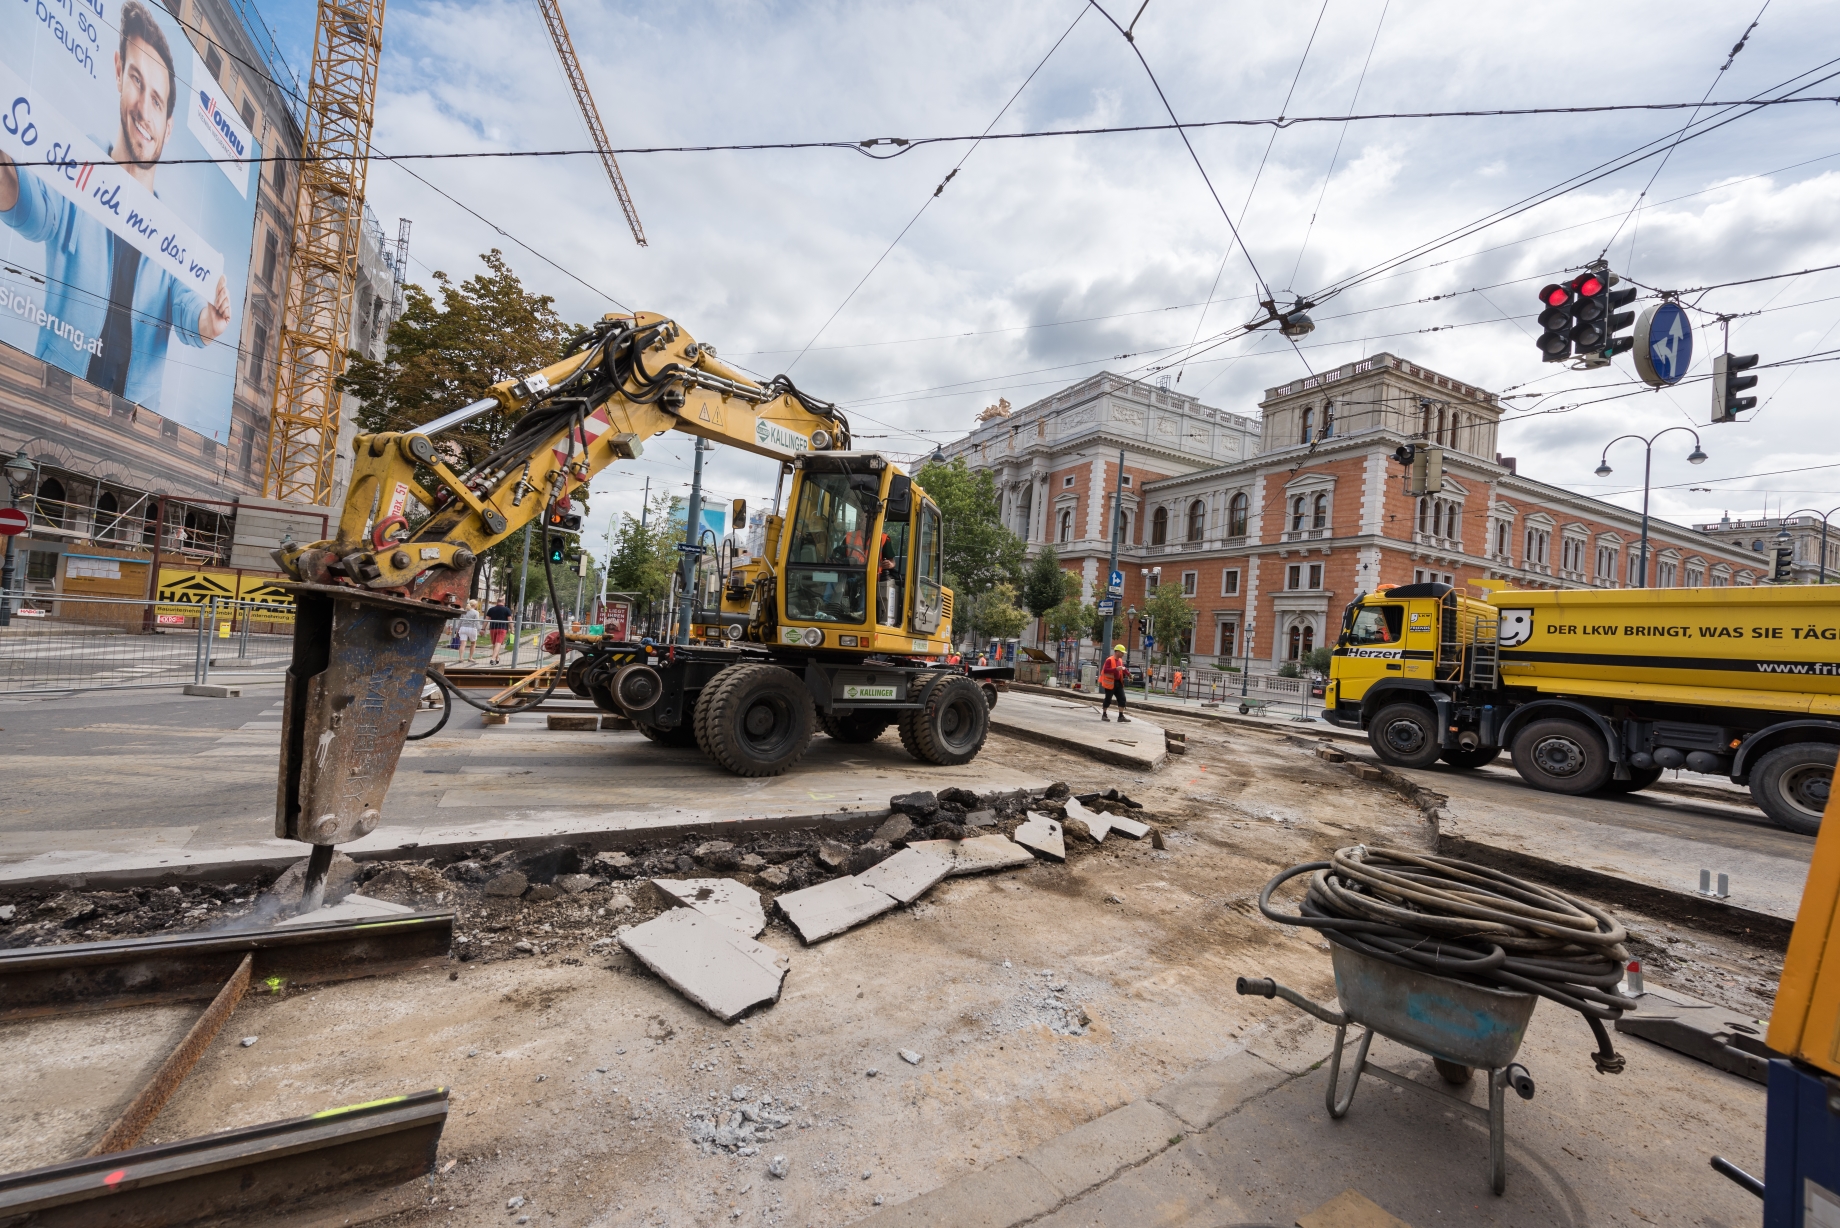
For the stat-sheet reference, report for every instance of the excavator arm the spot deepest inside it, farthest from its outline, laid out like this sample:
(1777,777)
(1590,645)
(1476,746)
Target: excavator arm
(371,601)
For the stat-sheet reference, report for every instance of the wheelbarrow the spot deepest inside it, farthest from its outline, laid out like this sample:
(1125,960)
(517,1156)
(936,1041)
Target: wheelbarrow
(1460,1026)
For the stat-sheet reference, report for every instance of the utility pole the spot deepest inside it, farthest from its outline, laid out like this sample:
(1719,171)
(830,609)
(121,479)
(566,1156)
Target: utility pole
(692,534)
(1105,649)
(517,621)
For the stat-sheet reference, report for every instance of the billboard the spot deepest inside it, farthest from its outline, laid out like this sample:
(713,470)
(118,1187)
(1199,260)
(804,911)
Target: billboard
(127,200)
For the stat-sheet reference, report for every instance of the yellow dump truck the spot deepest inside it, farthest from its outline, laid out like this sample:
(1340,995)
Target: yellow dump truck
(1602,689)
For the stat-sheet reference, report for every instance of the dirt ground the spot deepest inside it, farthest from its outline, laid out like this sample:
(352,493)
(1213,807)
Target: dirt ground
(1036,999)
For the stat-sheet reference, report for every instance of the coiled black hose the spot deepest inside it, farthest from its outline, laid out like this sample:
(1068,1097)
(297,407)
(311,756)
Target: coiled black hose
(1471,923)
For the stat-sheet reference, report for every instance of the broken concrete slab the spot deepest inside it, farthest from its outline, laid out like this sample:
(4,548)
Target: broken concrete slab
(353,907)
(868,855)
(1097,825)
(978,854)
(830,908)
(898,828)
(1042,834)
(833,853)
(980,818)
(907,875)
(710,962)
(1129,827)
(720,899)
(919,805)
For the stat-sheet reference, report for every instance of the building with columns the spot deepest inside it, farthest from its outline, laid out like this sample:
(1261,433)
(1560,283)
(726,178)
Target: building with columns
(1272,524)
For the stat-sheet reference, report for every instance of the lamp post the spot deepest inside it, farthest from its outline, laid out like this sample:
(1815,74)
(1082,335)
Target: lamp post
(1783,534)
(19,474)
(1696,457)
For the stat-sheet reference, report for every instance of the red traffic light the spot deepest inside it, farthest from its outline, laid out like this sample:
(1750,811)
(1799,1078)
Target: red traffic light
(1556,296)
(1590,285)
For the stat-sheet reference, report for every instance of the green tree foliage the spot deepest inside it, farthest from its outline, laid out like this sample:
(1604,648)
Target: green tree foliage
(645,556)
(979,551)
(1046,585)
(1071,619)
(1172,617)
(1320,659)
(995,615)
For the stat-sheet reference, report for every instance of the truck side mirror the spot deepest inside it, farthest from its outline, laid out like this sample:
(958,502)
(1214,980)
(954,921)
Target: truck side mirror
(739,509)
(900,497)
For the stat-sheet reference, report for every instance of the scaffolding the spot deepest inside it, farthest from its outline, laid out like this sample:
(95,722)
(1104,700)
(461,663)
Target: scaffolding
(323,261)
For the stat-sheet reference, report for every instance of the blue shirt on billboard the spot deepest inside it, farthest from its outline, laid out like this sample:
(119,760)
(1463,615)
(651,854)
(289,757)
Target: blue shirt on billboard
(101,289)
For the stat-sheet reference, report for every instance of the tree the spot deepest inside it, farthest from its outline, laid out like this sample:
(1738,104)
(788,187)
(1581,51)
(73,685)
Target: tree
(1071,619)
(1320,659)
(645,556)
(440,357)
(1046,585)
(994,614)
(979,551)
(1172,618)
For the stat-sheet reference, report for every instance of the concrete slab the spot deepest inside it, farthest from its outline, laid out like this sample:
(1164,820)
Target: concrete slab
(721,899)
(351,908)
(1043,834)
(1204,1096)
(1138,744)
(1086,1155)
(1124,825)
(830,908)
(1099,825)
(907,875)
(978,854)
(710,962)
(1008,1192)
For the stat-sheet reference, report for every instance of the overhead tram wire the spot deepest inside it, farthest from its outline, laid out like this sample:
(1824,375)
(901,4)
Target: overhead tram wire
(1340,137)
(1257,174)
(927,203)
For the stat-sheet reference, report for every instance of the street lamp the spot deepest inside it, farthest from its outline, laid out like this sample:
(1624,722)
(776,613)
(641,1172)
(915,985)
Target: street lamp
(1785,539)
(20,471)
(1696,457)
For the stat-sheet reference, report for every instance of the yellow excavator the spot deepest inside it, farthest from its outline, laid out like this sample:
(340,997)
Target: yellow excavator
(841,624)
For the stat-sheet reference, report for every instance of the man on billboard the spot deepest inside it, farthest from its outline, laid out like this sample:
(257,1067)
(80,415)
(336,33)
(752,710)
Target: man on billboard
(97,282)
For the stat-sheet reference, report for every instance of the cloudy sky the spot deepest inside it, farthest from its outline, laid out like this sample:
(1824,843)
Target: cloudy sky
(1046,260)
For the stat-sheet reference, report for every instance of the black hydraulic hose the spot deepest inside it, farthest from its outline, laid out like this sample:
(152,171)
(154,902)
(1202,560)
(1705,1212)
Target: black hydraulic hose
(1468,922)
(447,707)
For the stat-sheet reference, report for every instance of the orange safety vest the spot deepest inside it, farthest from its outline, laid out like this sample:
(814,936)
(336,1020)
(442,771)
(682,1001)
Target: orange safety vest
(1112,673)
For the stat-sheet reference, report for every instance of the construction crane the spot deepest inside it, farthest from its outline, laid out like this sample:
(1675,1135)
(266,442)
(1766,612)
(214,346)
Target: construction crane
(323,256)
(590,114)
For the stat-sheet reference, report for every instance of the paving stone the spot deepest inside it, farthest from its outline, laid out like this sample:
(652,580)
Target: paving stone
(352,908)
(1129,827)
(978,854)
(1042,834)
(1204,1096)
(721,899)
(574,722)
(1367,771)
(907,875)
(1099,825)
(618,723)
(833,853)
(981,818)
(710,962)
(1076,1161)
(830,908)
(1008,1192)
(510,883)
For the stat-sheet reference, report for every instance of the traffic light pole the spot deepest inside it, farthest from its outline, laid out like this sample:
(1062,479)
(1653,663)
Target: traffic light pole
(1105,649)
(692,534)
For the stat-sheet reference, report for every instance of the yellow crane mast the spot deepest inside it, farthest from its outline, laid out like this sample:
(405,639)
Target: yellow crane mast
(590,114)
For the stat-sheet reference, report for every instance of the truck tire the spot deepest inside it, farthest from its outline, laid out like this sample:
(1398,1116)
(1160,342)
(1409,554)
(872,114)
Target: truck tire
(1561,756)
(950,725)
(1482,756)
(1790,784)
(677,735)
(759,719)
(854,727)
(1639,779)
(990,693)
(1404,735)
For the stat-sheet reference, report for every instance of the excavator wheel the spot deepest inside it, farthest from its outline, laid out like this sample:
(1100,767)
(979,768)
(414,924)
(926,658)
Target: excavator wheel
(755,720)
(854,726)
(677,735)
(951,723)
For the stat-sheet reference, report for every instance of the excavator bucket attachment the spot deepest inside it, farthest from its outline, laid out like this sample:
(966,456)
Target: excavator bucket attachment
(352,688)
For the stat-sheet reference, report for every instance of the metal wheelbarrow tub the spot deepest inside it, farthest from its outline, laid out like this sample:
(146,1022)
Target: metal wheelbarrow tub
(1458,1025)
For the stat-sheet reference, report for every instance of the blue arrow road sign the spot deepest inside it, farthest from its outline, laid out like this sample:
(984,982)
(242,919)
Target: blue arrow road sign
(1664,344)
(1108,607)
(1117,584)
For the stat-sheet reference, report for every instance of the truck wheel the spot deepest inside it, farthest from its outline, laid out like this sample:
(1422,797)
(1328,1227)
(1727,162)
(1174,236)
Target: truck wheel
(758,721)
(1561,756)
(990,693)
(1639,779)
(854,727)
(950,725)
(677,735)
(1404,735)
(1791,782)
(1482,756)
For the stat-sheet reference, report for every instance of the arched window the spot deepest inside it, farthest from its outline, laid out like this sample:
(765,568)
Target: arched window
(1159,527)
(1319,512)
(1328,426)
(1424,515)
(106,513)
(1297,514)
(1067,524)
(1309,423)
(1501,539)
(1437,518)
(1197,520)
(1236,515)
(1302,640)
(50,501)
(1440,424)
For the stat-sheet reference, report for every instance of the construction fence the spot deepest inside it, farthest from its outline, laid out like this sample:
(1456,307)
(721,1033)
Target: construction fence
(52,643)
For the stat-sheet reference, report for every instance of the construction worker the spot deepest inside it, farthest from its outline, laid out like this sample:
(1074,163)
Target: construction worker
(1112,677)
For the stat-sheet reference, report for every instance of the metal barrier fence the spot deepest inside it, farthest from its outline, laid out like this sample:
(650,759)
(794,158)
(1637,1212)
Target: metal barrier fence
(79,643)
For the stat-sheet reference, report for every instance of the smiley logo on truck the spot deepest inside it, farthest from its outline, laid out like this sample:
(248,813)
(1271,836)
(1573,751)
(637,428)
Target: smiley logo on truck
(1516,628)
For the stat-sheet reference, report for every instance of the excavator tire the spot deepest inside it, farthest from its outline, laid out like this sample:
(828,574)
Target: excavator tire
(677,735)
(854,726)
(756,719)
(699,714)
(951,723)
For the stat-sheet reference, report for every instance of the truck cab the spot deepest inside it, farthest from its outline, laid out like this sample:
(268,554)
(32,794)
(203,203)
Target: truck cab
(1405,638)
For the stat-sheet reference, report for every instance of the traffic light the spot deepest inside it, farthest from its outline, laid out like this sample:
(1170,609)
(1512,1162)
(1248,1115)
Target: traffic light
(558,548)
(1590,314)
(1785,564)
(1619,320)
(1425,466)
(1556,302)
(560,517)
(1726,382)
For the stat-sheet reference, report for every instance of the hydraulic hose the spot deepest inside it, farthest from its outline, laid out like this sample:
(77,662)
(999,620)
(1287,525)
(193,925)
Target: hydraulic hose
(1465,921)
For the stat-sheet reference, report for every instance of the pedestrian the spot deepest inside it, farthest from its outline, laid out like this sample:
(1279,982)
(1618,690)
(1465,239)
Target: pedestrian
(498,625)
(468,626)
(1112,677)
